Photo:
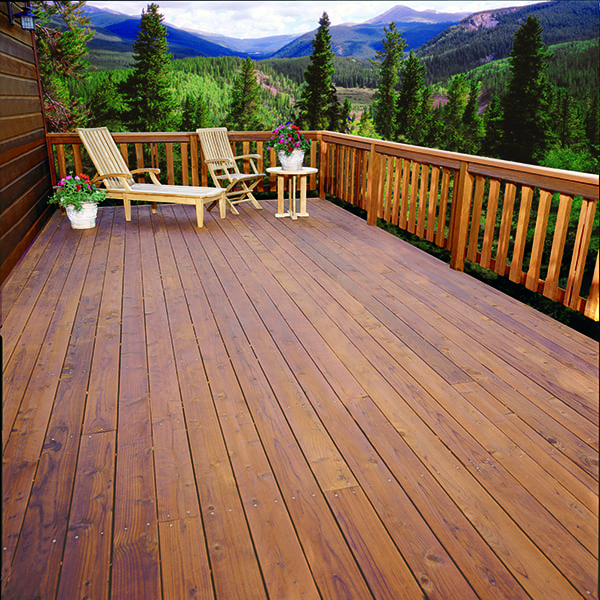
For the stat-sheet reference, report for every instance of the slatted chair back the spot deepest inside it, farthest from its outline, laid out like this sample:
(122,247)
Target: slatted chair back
(106,157)
(216,147)
(223,167)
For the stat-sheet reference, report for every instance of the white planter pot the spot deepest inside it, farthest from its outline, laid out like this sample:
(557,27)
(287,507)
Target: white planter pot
(293,162)
(84,218)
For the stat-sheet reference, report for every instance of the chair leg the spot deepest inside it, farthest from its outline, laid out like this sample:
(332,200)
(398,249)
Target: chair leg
(200,213)
(127,207)
(249,194)
(223,205)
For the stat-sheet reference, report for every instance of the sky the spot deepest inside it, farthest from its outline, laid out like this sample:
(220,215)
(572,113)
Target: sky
(255,19)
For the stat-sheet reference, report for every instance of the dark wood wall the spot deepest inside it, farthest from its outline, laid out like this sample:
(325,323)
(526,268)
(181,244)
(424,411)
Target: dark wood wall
(25,182)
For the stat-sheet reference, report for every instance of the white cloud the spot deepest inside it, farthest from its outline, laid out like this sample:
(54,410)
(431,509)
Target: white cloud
(261,19)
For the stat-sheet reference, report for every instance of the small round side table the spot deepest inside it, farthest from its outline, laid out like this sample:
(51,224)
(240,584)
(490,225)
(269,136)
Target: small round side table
(292,177)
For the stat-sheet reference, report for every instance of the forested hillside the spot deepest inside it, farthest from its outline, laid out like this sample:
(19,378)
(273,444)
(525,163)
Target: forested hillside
(486,37)
(573,67)
(208,78)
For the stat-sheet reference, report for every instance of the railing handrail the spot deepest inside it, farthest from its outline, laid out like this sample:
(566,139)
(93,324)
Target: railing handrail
(581,184)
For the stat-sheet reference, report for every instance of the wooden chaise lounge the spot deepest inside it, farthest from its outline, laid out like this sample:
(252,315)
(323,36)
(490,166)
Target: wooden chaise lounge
(118,179)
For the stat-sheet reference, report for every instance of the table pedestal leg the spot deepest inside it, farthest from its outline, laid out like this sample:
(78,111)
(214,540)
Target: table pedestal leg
(303,212)
(280,186)
(293,197)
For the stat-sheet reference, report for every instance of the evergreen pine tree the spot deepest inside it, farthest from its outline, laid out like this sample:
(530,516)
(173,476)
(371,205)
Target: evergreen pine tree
(148,91)
(526,106)
(346,117)
(61,55)
(385,100)
(472,123)
(244,110)
(107,106)
(567,125)
(492,121)
(194,113)
(317,96)
(453,112)
(409,115)
(592,126)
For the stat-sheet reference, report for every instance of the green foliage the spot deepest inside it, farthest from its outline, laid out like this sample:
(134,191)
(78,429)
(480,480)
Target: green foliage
(472,123)
(411,108)
(492,125)
(61,54)
(147,90)
(349,72)
(464,47)
(74,190)
(388,63)
(194,113)
(526,104)
(315,105)
(107,105)
(570,159)
(244,111)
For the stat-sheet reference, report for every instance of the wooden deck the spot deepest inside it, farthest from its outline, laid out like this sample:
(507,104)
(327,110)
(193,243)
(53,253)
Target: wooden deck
(275,409)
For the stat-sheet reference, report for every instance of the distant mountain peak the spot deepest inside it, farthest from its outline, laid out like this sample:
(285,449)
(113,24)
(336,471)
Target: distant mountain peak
(404,14)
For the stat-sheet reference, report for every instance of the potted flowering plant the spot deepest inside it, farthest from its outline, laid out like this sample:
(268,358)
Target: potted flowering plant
(80,198)
(290,145)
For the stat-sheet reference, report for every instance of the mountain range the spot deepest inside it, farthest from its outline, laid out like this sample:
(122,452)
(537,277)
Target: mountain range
(448,43)
(116,32)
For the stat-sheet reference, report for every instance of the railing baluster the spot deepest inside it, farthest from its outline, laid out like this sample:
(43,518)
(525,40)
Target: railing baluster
(185,175)
(422,209)
(414,188)
(591,306)
(508,205)
(440,238)
(406,169)
(77,159)
(558,247)
(170,172)
(433,202)
(539,239)
(139,160)
(460,217)
(476,218)
(62,163)
(580,252)
(516,265)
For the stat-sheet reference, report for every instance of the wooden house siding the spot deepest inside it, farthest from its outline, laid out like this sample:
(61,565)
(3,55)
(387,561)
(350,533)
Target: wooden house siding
(25,181)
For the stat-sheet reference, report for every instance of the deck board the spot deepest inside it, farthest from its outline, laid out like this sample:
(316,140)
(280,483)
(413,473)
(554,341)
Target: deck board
(273,409)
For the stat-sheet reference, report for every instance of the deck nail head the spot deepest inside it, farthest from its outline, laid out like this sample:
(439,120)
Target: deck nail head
(54,541)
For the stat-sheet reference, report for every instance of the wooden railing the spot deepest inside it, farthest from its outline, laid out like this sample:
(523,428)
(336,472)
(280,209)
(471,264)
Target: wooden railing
(531,224)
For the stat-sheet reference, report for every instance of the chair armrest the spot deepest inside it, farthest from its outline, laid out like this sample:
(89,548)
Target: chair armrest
(101,177)
(257,156)
(153,173)
(145,170)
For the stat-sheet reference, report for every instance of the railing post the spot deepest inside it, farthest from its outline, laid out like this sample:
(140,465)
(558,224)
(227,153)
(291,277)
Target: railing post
(459,225)
(323,147)
(372,187)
